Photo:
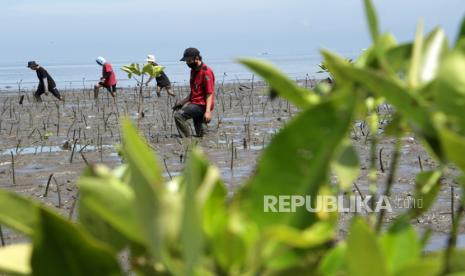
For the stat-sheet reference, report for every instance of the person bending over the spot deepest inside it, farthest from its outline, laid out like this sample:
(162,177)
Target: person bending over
(108,79)
(46,82)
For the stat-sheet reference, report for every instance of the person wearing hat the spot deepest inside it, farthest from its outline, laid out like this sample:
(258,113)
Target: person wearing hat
(46,82)
(108,79)
(163,82)
(199,104)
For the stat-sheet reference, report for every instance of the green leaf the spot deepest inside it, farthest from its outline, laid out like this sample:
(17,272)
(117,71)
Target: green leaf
(427,187)
(433,52)
(232,245)
(372,19)
(61,248)
(454,146)
(285,87)
(152,70)
(399,57)
(297,161)
(15,259)
(315,235)
(449,93)
(18,213)
(456,261)
(334,261)
(191,233)
(136,69)
(146,181)
(415,64)
(346,164)
(212,198)
(364,255)
(423,267)
(409,105)
(104,196)
(400,247)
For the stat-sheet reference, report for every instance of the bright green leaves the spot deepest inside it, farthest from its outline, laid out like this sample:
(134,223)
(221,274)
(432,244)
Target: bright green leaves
(396,252)
(146,181)
(449,91)
(315,235)
(346,164)
(414,70)
(413,108)
(372,19)
(132,69)
(427,187)
(191,231)
(297,160)
(433,52)
(401,247)
(61,248)
(105,197)
(285,87)
(152,70)
(335,261)
(364,254)
(18,213)
(136,69)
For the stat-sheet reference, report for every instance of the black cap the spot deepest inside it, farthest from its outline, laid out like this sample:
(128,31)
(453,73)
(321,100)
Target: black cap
(190,53)
(31,64)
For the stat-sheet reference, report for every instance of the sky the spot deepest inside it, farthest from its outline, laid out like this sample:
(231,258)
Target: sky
(71,31)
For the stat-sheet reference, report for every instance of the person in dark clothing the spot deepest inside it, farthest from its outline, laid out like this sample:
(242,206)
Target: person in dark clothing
(46,82)
(163,82)
(199,104)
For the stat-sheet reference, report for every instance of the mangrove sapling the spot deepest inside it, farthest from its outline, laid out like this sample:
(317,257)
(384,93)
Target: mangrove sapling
(380,156)
(419,163)
(390,179)
(452,239)
(58,191)
(48,185)
(232,154)
(166,167)
(73,206)
(13,167)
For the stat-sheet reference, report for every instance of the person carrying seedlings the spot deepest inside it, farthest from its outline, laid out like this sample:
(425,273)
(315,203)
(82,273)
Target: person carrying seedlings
(163,82)
(46,82)
(108,79)
(199,104)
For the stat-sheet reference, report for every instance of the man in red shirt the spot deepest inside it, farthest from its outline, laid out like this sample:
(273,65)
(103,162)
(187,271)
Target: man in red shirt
(108,79)
(198,106)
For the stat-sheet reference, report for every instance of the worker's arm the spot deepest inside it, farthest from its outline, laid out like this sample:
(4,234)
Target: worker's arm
(148,81)
(45,82)
(208,114)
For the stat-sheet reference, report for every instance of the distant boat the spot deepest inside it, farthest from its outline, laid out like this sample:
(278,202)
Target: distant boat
(263,54)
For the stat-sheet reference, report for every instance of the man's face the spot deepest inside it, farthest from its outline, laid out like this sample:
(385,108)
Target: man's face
(190,61)
(33,68)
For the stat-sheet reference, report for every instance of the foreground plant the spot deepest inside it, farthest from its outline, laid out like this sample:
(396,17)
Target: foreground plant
(132,221)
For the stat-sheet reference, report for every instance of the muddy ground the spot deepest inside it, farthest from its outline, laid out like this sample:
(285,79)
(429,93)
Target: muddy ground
(41,136)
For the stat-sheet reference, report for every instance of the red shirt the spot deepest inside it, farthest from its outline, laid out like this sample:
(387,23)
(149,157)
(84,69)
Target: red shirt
(202,83)
(108,70)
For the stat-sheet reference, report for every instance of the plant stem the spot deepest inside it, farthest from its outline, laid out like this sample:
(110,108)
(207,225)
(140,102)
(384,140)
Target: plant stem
(390,180)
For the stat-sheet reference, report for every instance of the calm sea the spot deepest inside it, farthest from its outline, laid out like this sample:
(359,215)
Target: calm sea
(77,75)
